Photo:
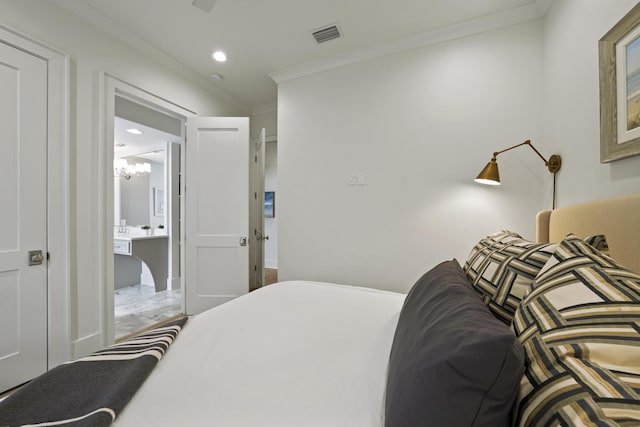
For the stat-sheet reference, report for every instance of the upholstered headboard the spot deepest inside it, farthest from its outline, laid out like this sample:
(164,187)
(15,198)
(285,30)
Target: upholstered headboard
(618,219)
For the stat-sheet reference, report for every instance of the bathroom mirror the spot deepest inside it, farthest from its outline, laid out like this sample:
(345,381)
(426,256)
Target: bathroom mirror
(136,195)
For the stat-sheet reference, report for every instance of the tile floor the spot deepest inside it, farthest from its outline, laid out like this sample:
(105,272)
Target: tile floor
(138,307)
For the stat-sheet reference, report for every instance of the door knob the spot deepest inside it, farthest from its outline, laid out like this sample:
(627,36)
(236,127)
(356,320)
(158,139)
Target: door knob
(35,257)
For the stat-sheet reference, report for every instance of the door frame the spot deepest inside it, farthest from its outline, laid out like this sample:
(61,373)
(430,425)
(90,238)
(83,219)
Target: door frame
(256,210)
(255,218)
(112,86)
(58,184)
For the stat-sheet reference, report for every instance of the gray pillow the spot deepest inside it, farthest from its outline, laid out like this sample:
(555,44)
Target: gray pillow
(452,362)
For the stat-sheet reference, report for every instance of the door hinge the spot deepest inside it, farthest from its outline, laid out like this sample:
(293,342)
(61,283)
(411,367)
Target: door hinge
(48,256)
(255,159)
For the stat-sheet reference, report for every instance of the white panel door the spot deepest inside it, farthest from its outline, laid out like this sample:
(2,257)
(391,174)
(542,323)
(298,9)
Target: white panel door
(23,216)
(216,211)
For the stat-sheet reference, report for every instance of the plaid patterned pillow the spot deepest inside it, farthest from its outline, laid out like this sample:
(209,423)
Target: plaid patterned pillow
(598,241)
(580,329)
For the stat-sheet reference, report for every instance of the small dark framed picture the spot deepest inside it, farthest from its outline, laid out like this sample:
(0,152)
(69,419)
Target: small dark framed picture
(269,204)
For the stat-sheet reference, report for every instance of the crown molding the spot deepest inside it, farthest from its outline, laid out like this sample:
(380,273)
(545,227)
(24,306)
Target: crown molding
(95,17)
(529,12)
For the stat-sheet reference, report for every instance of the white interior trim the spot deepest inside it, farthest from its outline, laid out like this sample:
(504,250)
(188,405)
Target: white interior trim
(58,228)
(110,86)
(86,345)
(528,12)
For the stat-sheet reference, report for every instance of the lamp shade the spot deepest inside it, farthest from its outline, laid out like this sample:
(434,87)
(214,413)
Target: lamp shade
(489,175)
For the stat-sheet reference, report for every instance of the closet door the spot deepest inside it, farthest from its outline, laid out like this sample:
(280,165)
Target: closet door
(23,217)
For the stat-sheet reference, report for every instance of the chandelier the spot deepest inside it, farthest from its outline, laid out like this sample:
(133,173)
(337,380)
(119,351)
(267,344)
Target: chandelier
(123,169)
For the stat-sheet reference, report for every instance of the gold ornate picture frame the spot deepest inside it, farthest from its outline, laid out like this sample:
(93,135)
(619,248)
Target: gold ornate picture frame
(619,56)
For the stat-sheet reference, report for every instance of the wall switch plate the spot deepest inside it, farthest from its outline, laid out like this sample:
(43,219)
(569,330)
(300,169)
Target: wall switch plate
(359,178)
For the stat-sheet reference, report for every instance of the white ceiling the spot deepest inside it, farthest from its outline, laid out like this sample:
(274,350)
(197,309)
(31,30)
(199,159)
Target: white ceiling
(273,37)
(149,145)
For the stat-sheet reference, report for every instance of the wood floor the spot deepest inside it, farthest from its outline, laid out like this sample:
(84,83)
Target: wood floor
(270,276)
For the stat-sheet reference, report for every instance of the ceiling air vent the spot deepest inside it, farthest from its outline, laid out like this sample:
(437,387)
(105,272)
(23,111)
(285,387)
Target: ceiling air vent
(326,33)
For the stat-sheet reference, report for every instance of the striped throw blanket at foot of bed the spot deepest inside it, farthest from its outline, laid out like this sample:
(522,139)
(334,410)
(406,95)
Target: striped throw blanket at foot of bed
(90,391)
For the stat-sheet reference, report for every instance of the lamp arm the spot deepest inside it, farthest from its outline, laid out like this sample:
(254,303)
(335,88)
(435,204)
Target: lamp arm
(553,164)
(527,142)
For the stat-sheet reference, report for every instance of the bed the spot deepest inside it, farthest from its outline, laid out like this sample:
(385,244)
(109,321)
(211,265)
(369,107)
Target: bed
(520,333)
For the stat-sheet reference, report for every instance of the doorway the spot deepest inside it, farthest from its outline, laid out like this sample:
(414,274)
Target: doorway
(271,211)
(158,265)
(146,153)
(212,218)
(264,248)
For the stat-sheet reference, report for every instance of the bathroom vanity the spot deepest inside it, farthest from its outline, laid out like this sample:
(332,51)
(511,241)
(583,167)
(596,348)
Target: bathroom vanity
(134,246)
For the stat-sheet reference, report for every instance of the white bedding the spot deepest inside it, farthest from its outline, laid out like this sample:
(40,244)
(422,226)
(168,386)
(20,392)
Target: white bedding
(297,354)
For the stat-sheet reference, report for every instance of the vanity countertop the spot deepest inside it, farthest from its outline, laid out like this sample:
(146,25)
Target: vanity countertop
(139,235)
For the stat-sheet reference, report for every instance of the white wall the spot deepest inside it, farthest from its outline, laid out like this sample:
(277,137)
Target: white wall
(418,126)
(264,117)
(91,51)
(571,98)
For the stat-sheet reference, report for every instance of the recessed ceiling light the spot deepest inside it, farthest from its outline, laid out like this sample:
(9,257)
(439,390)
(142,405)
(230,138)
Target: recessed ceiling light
(216,77)
(135,131)
(219,56)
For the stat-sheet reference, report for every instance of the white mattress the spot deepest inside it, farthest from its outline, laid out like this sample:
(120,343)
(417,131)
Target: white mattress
(290,354)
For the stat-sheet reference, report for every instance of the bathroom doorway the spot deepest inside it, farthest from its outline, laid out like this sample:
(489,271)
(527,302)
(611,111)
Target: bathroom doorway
(146,152)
